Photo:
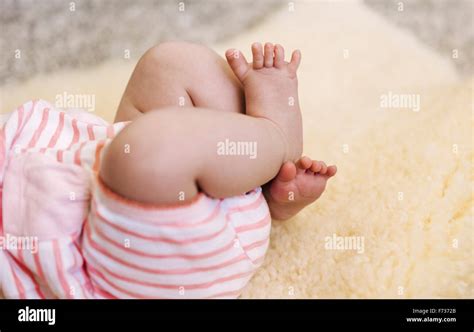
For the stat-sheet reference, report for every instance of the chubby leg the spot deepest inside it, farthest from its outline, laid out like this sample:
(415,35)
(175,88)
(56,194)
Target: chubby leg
(170,146)
(173,152)
(180,74)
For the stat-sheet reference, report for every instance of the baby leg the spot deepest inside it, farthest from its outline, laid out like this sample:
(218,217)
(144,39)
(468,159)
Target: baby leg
(170,153)
(180,74)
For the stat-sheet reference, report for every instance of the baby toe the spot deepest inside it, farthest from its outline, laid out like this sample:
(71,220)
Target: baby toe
(257,53)
(287,172)
(268,57)
(316,166)
(332,170)
(279,56)
(324,168)
(304,163)
(237,62)
(295,61)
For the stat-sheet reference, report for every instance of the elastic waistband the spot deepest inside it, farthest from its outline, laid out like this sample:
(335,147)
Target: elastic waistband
(191,210)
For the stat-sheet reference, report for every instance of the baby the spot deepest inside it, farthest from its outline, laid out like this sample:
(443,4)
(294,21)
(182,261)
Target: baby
(157,212)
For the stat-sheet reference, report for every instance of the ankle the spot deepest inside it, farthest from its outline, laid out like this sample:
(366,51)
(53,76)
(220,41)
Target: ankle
(280,138)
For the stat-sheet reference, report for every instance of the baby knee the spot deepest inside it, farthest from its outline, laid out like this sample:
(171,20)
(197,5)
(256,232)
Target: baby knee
(165,53)
(176,54)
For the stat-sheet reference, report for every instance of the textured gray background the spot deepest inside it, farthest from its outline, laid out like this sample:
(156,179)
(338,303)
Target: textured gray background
(51,36)
(442,24)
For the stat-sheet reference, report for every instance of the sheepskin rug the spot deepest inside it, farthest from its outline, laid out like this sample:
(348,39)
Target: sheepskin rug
(396,221)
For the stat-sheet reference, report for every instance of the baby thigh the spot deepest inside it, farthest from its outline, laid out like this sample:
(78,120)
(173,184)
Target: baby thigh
(180,74)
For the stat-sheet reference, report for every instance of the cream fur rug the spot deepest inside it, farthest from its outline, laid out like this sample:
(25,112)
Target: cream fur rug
(404,187)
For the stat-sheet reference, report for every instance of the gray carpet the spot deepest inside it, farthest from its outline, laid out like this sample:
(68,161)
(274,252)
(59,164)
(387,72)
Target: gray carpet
(445,25)
(51,34)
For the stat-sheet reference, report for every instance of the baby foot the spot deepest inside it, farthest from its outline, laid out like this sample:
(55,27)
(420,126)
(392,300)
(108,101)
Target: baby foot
(296,186)
(271,90)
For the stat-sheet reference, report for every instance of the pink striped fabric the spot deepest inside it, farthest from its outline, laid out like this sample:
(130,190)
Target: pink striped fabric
(92,243)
